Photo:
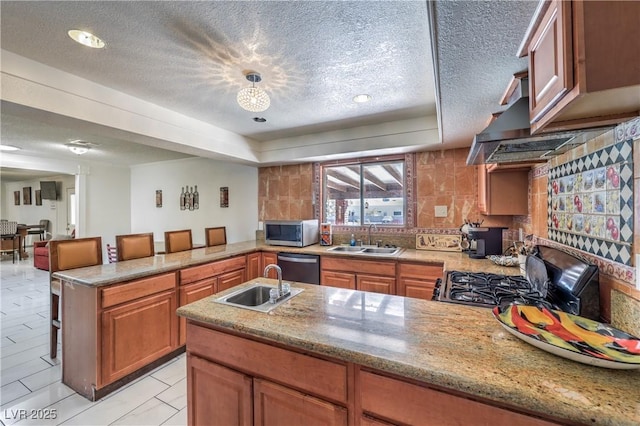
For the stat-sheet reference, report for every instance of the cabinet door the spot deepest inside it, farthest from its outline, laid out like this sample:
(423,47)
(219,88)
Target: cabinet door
(338,279)
(191,293)
(550,59)
(503,192)
(269,258)
(254,265)
(217,395)
(230,279)
(137,333)
(277,405)
(376,284)
(418,280)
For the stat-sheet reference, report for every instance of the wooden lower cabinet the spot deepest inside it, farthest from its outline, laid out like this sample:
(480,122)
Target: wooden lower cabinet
(338,279)
(192,293)
(233,380)
(230,279)
(269,258)
(236,381)
(397,401)
(254,265)
(276,405)
(376,284)
(136,333)
(365,275)
(418,280)
(218,395)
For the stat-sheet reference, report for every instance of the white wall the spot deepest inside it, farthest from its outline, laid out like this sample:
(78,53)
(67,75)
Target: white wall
(240,218)
(54,210)
(105,203)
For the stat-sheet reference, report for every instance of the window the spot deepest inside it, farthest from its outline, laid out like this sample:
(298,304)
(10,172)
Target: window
(358,194)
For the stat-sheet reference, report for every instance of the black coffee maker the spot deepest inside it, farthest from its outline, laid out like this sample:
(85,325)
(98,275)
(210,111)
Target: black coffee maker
(487,241)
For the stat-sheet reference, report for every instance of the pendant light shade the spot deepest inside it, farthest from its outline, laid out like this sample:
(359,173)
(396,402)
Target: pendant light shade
(253,98)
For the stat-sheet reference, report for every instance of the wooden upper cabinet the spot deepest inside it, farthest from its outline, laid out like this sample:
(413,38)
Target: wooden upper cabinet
(583,64)
(503,191)
(551,70)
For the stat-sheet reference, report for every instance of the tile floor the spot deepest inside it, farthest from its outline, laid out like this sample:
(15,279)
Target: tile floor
(30,380)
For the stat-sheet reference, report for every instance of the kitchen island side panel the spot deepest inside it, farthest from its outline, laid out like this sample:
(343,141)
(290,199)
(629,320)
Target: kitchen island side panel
(81,324)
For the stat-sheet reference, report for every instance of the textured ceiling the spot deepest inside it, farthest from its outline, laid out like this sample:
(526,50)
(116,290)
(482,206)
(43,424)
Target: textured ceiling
(314,56)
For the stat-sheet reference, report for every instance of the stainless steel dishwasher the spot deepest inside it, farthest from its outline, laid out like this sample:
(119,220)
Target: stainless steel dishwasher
(304,268)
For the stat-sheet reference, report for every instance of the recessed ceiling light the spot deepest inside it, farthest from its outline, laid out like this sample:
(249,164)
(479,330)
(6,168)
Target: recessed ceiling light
(78,147)
(86,38)
(8,148)
(360,99)
(259,119)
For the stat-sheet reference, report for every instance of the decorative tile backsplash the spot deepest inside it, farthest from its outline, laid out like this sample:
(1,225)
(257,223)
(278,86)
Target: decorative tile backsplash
(590,203)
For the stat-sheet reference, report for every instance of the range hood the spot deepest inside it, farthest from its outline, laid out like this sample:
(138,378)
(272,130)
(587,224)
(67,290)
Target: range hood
(508,138)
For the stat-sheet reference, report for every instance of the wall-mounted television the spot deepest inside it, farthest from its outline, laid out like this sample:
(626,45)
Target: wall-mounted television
(48,190)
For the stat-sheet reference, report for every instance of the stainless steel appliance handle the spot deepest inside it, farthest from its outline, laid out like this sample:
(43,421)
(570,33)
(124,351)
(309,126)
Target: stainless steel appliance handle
(297,259)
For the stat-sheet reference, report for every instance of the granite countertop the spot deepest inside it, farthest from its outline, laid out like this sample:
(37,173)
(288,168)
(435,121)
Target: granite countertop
(453,346)
(112,273)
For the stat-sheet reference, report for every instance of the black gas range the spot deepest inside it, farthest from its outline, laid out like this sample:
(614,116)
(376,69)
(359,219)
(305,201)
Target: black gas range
(573,286)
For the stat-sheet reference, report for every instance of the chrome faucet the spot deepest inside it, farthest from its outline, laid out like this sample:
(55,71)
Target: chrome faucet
(278,272)
(375,226)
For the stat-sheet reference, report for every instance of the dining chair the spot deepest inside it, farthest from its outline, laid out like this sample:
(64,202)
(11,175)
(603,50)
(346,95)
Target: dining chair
(177,241)
(135,246)
(63,255)
(216,236)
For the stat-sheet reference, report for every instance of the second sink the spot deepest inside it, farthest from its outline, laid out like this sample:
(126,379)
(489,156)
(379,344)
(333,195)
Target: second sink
(255,297)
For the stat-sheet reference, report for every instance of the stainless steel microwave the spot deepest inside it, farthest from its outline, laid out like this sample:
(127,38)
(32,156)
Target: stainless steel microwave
(292,233)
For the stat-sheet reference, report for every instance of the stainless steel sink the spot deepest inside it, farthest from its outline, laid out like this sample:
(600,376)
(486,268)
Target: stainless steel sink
(366,250)
(255,297)
(351,249)
(382,250)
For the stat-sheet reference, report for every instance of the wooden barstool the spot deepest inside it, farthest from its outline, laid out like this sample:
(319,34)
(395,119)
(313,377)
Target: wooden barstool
(63,255)
(215,236)
(135,246)
(177,241)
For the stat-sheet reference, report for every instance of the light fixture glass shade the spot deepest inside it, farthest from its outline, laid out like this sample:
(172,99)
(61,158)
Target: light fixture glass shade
(253,99)
(86,38)
(78,149)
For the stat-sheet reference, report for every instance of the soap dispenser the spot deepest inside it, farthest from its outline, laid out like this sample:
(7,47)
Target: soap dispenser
(353,240)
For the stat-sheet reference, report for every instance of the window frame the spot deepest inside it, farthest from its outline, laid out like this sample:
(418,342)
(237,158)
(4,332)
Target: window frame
(408,189)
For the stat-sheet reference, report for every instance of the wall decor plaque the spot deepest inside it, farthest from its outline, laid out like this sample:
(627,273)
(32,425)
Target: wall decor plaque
(26,195)
(439,242)
(224,196)
(38,197)
(16,198)
(590,203)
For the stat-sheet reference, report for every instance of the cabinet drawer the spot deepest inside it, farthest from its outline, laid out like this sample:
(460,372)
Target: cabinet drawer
(197,273)
(317,376)
(423,272)
(403,402)
(359,266)
(136,289)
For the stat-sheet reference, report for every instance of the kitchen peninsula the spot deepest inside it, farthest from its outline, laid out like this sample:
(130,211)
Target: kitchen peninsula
(455,349)
(335,356)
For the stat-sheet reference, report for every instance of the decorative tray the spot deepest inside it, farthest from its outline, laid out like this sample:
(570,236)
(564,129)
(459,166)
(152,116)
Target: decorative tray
(571,336)
(504,260)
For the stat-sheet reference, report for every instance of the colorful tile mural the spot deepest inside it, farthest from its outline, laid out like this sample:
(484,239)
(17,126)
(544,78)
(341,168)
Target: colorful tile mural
(590,203)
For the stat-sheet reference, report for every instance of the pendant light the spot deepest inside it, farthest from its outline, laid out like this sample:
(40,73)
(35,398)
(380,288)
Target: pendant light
(253,98)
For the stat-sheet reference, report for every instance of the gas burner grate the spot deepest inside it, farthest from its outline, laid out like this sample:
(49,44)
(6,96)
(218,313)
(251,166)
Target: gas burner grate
(485,289)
